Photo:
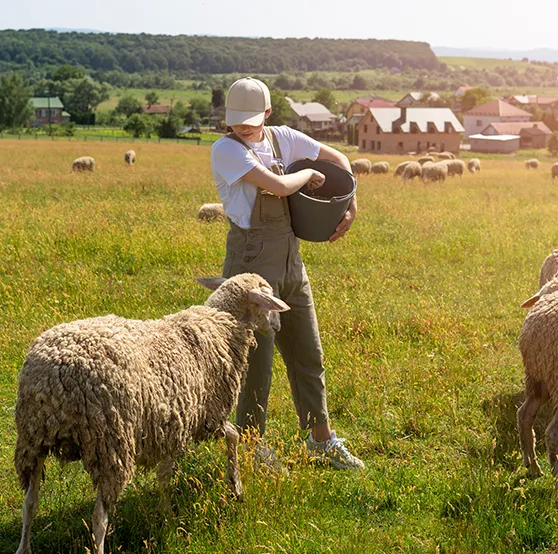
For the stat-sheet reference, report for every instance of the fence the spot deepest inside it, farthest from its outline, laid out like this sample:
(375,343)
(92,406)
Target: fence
(104,138)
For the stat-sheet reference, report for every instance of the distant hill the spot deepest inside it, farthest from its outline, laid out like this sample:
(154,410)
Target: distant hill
(135,53)
(538,54)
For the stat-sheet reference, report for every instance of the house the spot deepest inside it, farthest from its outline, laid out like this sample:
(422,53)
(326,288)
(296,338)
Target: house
(311,117)
(47,110)
(217,118)
(548,104)
(462,90)
(532,134)
(500,144)
(352,128)
(496,111)
(361,105)
(400,130)
(155,109)
(417,99)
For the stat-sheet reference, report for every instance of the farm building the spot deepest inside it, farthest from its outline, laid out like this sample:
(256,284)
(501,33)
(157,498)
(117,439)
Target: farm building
(47,110)
(155,109)
(400,130)
(548,104)
(532,134)
(496,111)
(362,104)
(417,99)
(311,117)
(499,144)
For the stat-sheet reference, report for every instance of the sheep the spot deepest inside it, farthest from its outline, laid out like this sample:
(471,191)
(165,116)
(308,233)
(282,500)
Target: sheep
(380,167)
(400,169)
(539,349)
(211,212)
(549,268)
(425,159)
(413,169)
(85,163)
(455,167)
(473,165)
(554,170)
(130,157)
(116,392)
(446,156)
(533,163)
(434,172)
(361,165)
(432,149)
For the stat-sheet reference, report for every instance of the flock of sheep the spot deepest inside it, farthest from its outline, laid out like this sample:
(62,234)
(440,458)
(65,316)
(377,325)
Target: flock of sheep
(87,163)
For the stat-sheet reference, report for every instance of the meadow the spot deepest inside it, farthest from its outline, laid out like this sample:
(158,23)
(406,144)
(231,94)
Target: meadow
(419,308)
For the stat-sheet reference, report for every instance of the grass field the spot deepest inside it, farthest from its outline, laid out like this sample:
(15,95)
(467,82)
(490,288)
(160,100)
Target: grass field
(419,314)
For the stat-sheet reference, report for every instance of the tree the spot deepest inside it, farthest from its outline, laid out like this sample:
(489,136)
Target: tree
(67,71)
(474,97)
(200,106)
(152,98)
(15,108)
(138,125)
(82,96)
(217,97)
(553,144)
(325,96)
(127,105)
(359,83)
(281,108)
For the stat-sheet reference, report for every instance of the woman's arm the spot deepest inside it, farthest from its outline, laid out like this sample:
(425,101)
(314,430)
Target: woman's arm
(284,185)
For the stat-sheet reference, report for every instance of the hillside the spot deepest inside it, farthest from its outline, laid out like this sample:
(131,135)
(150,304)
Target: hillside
(182,55)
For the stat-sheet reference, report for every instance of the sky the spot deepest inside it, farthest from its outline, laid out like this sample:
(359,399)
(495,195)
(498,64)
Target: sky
(496,24)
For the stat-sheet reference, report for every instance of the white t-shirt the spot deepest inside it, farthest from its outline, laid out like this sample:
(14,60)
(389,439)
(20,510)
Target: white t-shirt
(230,161)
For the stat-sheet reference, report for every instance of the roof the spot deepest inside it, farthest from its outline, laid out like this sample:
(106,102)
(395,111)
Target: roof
(462,89)
(499,108)
(534,99)
(495,138)
(311,108)
(385,117)
(355,119)
(155,109)
(319,117)
(373,101)
(418,96)
(516,127)
(52,102)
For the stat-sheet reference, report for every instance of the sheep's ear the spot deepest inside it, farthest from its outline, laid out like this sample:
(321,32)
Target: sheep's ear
(532,301)
(211,283)
(267,301)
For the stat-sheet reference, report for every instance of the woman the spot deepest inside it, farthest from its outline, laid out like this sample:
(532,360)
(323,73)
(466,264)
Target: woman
(248,166)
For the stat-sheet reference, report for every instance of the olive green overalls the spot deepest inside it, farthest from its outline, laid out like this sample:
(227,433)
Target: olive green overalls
(270,248)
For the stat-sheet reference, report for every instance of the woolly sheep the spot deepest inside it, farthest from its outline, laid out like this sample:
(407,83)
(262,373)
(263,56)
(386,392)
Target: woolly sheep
(473,165)
(434,172)
(539,349)
(85,163)
(425,159)
(413,169)
(380,167)
(549,268)
(532,164)
(361,165)
(116,392)
(211,212)
(554,170)
(400,169)
(446,156)
(130,157)
(455,167)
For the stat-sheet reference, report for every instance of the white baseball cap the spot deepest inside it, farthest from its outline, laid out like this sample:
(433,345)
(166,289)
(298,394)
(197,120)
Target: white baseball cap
(247,101)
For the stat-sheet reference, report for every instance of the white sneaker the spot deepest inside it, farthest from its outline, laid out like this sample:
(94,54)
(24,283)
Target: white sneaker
(333,451)
(266,459)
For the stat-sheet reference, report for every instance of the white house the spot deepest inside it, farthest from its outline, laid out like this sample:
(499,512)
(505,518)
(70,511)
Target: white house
(311,117)
(497,111)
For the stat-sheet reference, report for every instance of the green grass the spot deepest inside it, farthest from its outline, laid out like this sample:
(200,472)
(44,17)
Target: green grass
(487,63)
(419,315)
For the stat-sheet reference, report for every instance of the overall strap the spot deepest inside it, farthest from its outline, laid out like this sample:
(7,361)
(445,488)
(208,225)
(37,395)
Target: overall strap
(272,138)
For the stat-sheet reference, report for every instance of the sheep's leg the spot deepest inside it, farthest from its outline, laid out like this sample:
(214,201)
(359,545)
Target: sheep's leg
(536,397)
(30,507)
(233,472)
(552,443)
(100,523)
(164,474)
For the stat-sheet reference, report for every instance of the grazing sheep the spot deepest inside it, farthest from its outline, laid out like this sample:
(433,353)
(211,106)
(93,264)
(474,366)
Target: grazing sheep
(130,157)
(539,349)
(425,159)
(380,167)
(400,169)
(362,165)
(549,268)
(211,212)
(473,165)
(413,169)
(554,170)
(455,167)
(116,392)
(85,163)
(434,172)
(446,156)
(532,164)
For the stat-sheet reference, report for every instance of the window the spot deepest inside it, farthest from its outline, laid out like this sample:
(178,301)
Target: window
(400,145)
(366,128)
(379,145)
(363,144)
(377,129)
(479,122)
(372,145)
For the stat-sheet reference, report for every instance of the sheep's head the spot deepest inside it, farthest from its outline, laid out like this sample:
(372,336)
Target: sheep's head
(548,288)
(249,298)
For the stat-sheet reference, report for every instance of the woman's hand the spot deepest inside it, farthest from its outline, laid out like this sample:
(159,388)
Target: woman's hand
(346,222)
(316,180)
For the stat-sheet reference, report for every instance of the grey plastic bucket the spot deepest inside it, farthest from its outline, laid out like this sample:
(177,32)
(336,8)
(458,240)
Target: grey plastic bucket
(314,215)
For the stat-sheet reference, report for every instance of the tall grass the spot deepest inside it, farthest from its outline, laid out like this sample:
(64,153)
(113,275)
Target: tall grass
(419,315)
